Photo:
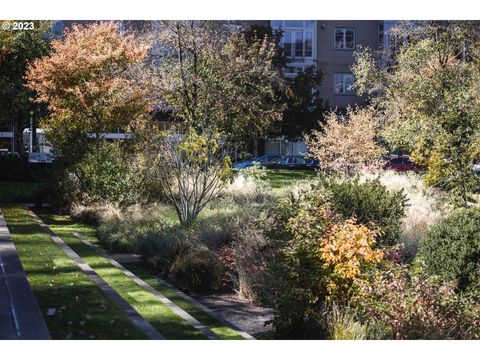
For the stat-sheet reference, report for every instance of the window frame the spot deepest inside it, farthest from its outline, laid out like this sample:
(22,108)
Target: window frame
(344,38)
(346,91)
(306,33)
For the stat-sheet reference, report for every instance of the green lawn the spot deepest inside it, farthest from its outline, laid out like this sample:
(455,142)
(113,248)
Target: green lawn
(213,324)
(83,311)
(279,178)
(153,310)
(170,325)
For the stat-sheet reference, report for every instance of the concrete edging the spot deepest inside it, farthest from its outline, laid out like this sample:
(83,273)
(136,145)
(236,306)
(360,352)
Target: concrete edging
(20,314)
(171,287)
(135,318)
(174,307)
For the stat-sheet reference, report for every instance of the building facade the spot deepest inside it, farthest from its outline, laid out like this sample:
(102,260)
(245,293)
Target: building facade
(330,46)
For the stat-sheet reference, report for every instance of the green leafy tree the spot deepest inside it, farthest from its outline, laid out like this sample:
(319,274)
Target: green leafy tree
(214,76)
(429,101)
(303,105)
(17,50)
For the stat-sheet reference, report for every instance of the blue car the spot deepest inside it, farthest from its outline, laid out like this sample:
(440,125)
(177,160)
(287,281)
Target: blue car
(262,160)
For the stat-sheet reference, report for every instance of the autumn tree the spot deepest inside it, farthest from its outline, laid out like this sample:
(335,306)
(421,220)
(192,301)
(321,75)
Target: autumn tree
(429,100)
(345,144)
(213,76)
(90,84)
(17,50)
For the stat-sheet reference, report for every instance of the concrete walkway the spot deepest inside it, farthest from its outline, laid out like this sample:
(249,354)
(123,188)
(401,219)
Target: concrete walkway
(20,315)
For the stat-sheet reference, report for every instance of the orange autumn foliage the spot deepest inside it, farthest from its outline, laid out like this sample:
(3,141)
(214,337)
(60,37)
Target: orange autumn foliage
(346,249)
(90,82)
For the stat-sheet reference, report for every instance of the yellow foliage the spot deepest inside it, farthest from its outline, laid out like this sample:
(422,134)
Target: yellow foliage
(346,249)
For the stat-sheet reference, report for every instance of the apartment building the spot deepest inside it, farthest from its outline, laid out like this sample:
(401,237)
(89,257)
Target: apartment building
(330,45)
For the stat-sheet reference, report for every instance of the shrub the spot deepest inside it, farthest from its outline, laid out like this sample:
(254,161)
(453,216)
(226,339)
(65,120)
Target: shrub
(342,325)
(196,269)
(160,245)
(190,167)
(117,235)
(248,187)
(66,188)
(425,206)
(169,249)
(451,249)
(247,260)
(414,306)
(317,265)
(128,231)
(344,146)
(369,202)
(95,214)
(104,174)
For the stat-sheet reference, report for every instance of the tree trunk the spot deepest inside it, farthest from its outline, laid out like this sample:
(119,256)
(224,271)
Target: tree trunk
(255,146)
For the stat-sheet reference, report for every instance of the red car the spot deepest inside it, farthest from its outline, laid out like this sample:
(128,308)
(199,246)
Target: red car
(401,163)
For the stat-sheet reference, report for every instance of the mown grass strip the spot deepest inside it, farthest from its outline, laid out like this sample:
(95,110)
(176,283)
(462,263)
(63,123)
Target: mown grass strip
(155,312)
(219,328)
(215,325)
(134,317)
(82,310)
(174,307)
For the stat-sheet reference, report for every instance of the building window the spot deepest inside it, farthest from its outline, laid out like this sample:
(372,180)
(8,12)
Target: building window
(297,39)
(298,43)
(287,43)
(308,44)
(343,83)
(344,39)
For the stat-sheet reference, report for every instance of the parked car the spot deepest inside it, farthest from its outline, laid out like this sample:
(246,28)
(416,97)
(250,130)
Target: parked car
(262,160)
(293,162)
(401,164)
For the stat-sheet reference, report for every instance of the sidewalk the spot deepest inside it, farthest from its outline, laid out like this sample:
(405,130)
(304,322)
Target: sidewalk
(20,315)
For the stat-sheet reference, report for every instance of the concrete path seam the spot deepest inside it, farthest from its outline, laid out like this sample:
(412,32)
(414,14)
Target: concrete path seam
(174,307)
(204,308)
(25,319)
(135,318)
